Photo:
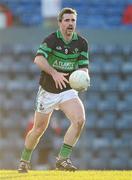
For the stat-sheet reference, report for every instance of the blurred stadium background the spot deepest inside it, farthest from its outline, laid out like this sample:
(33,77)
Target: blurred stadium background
(106,142)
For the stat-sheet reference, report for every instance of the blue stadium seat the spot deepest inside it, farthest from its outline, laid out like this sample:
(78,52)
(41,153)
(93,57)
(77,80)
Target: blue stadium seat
(96,50)
(97,61)
(107,15)
(111,96)
(34,20)
(16,86)
(18,68)
(117,59)
(33,8)
(119,143)
(96,67)
(109,134)
(110,85)
(113,51)
(21,49)
(130,164)
(125,86)
(100,143)
(99,163)
(105,153)
(107,105)
(92,21)
(124,122)
(91,13)
(127,137)
(127,50)
(110,67)
(127,68)
(128,97)
(95,83)
(125,154)
(107,121)
(119,163)
(93,97)
(91,120)
(34,69)
(91,105)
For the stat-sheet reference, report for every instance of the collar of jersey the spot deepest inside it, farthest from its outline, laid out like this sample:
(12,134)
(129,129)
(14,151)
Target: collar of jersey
(74,37)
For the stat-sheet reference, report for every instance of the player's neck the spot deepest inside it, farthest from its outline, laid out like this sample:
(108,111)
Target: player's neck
(67,37)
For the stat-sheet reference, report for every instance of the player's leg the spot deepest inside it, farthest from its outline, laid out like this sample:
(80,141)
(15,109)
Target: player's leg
(74,110)
(41,122)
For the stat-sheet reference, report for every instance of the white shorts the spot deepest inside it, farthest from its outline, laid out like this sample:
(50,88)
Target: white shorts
(46,102)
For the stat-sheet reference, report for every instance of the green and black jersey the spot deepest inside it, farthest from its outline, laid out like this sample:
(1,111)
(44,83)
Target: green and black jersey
(63,56)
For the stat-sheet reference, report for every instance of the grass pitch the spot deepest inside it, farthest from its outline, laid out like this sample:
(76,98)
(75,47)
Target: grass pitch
(63,175)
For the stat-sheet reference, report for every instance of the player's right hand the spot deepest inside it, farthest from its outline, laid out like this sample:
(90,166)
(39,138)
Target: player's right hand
(60,79)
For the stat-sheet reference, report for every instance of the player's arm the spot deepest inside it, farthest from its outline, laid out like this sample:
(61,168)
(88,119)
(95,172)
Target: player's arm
(41,60)
(83,60)
(59,78)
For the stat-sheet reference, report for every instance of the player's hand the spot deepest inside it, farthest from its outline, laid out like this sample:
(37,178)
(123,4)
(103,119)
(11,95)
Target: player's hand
(60,79)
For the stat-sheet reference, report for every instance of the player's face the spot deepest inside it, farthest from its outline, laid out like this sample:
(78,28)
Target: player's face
(68,24)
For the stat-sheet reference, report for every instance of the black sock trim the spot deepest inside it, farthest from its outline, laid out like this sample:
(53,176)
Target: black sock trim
(67,146)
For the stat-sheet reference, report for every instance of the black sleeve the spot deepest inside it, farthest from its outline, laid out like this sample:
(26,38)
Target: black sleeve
(83,59)
(46,47)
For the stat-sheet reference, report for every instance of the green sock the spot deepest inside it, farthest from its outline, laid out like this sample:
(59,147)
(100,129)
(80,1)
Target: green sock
(26,154)
(65,151)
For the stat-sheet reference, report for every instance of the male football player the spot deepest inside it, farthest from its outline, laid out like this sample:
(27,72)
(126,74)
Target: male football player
(61,53)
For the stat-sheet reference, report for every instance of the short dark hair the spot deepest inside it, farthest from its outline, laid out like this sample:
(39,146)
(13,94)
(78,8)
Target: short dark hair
(66,11)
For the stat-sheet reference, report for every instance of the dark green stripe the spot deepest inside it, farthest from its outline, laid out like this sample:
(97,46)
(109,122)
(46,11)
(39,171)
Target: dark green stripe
(83,62)
(85,54)
(42,52)
(45,48)
(67,56)
(57,32)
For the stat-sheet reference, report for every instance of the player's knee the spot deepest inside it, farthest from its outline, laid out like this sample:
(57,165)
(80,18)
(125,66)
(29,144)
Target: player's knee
(79,122)
(39,131)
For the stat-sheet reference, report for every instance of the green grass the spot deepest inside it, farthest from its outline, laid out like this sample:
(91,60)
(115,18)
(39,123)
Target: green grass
(61,175)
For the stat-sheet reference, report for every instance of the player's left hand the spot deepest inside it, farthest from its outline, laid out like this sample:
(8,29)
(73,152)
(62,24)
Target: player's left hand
(60,79)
